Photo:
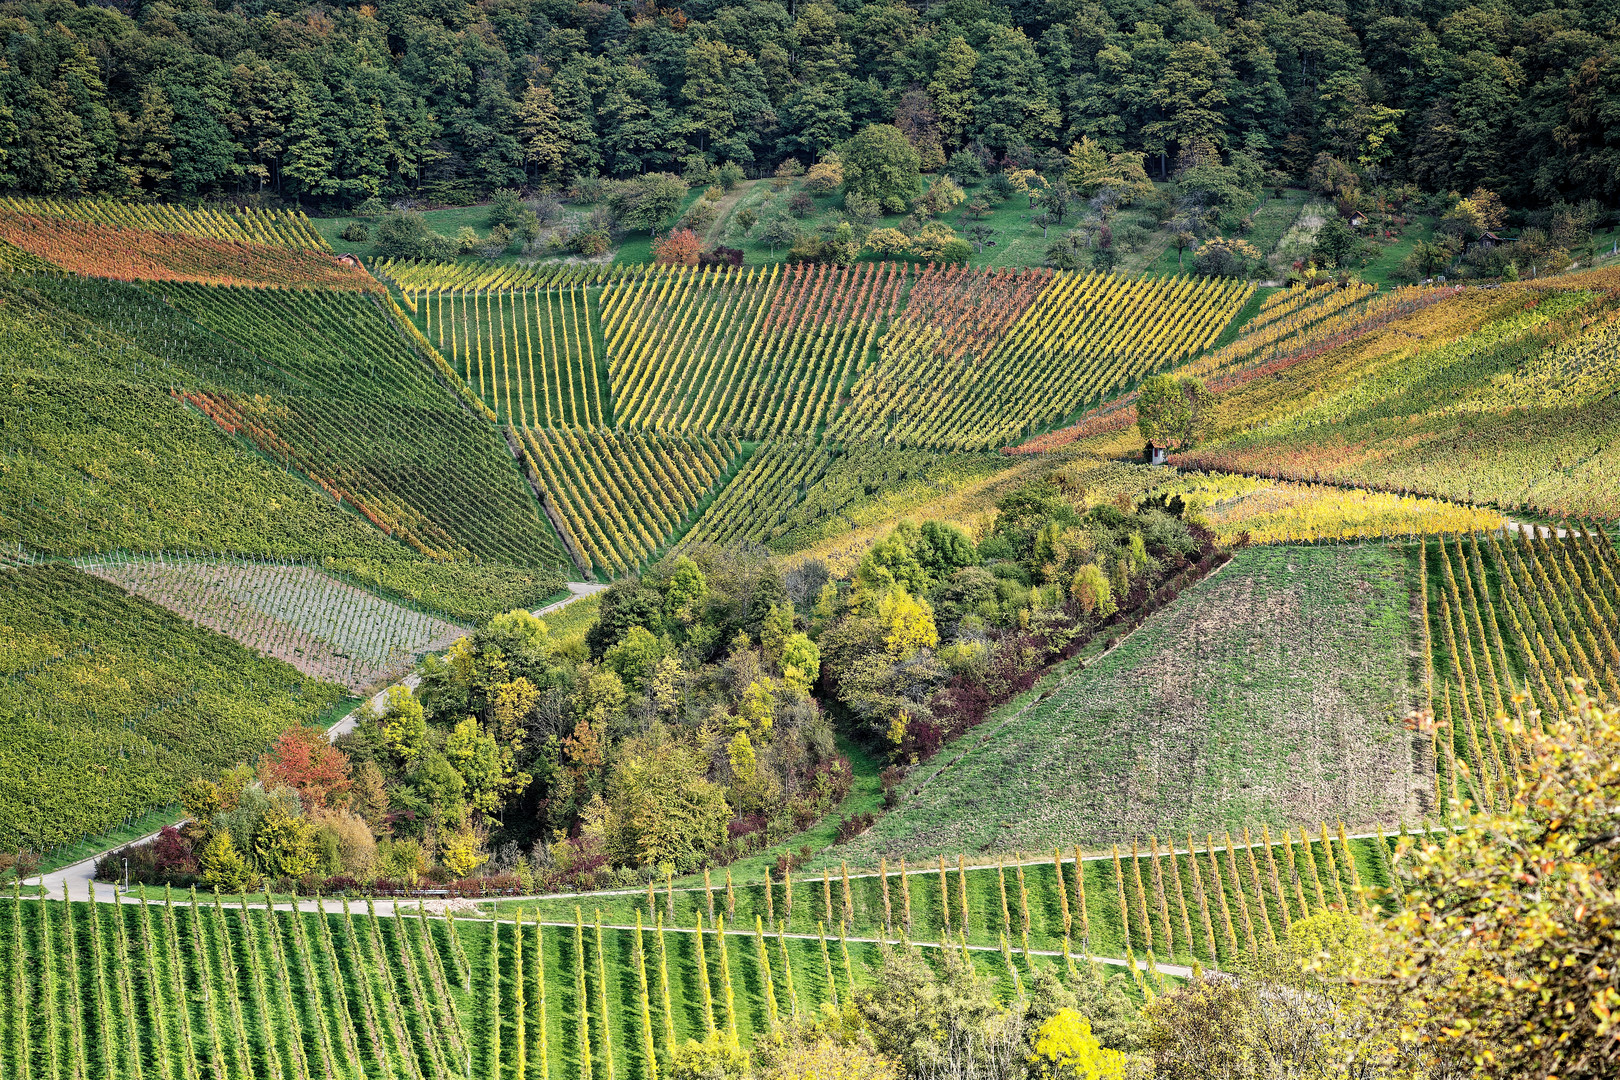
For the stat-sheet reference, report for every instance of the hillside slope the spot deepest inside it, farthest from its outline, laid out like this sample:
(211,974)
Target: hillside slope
(1267,694)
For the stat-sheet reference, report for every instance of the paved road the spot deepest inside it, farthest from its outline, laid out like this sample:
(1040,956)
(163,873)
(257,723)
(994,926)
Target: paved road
(73,881)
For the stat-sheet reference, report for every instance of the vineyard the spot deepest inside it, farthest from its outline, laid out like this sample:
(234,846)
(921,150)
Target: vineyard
(1505,616)
(1292,326)
(112,703)
(365,418)
(1501,397)
(326,628)
(1035,901)
(417,279)
(284,228)
(976,360)
(793,495)
(745,352)
(126,253)
(619,495)
(1271,512)
(531,356)
(194,988)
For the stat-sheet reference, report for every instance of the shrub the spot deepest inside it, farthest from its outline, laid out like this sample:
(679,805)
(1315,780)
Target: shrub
(546,207)
(747,219)
(801,205)
(647,201)
(1224,257)
(825,177)
(356,232)
(407,236)
(591,242)
(721,256)
(789,169)
(746,826)
(888,242)
(851,827)
(730,175)
(467,240)
(505,208)
(938,242)
(893,777)
(700,216)
(588,189)
(861,209)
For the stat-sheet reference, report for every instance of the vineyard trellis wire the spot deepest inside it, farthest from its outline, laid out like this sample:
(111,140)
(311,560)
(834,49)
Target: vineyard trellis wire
(321,623)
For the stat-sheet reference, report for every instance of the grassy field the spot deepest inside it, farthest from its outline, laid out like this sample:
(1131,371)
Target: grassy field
(1266,694)
(1382,270)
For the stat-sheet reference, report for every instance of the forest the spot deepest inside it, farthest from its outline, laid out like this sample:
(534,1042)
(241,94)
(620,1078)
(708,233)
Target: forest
(445,101)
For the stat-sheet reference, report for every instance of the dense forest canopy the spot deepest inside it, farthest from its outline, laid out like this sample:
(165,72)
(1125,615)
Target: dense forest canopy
(447,99)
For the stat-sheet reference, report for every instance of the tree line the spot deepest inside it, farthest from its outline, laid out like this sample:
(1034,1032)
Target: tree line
(449,100)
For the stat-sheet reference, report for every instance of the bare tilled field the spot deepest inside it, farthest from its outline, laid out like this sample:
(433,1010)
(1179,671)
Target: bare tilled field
(1270,694)
(322,626)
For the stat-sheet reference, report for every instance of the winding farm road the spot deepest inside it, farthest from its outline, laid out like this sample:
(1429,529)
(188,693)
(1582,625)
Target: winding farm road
(72,882)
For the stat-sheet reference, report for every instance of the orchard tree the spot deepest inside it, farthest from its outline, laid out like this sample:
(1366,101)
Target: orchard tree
(778,231)
(882,165)
(1336,242)
(1169,409)
(680,248)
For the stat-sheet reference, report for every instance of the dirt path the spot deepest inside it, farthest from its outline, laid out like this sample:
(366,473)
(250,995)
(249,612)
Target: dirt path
(724,208)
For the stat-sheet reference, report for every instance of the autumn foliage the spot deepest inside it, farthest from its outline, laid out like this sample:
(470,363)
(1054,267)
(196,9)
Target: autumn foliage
(110,251)
(680,248)
(305,761)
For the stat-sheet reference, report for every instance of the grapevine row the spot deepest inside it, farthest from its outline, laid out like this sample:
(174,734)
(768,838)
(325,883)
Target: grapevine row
(530,356)
(367,420)
(945,381)
(94,249)
(750,352)
(286,228)
(189,989)
(324,626)
(414,277)
(620,495)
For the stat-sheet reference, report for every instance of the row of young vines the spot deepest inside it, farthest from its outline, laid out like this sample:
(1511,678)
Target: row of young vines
(192,988)
(1509,621)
